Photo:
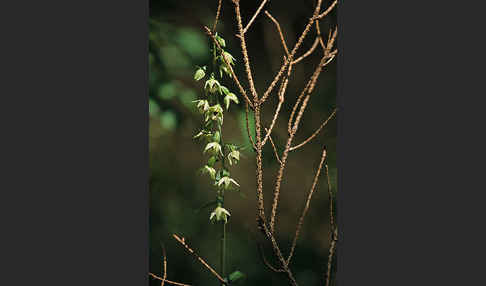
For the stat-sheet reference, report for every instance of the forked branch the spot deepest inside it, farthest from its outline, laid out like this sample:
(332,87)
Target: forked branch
(315,133)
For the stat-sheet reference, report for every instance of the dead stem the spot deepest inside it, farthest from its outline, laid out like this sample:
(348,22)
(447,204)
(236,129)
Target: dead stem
(315,133)
(329,259)
(182,241)
(327,10)
(217,16)
(307,204)
(282,39)
(254,16)
(306,54)
(168,281)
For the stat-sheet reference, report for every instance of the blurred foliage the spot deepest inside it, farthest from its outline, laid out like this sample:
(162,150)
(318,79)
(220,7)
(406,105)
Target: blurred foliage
(177,45)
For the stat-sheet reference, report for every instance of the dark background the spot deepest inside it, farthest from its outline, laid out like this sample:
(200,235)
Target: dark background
(177,43)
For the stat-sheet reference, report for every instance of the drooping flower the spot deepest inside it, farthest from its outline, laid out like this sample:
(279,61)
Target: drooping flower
(219,214)
(226,182)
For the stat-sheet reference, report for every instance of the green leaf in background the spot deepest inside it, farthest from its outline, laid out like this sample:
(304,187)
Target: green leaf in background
(173,58)
(167,90)
(168,120)
(236,276)
(192,42)
(187,96)
(153,108)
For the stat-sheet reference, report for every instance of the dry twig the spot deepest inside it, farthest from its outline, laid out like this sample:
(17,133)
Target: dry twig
(182,241)
(306,207)
(168,281)
(315,133)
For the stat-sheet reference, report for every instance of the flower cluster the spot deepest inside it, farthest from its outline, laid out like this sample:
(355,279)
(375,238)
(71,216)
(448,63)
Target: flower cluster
(217,96)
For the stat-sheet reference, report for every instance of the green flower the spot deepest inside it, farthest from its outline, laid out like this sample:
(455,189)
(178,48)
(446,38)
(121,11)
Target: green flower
(221,41)
(215,113)
(214,148)
(209,170)
(234,155)
(200,73)
(219,214)
(230,97)
(202,105)
(212,85)
(226,182)
(203,133)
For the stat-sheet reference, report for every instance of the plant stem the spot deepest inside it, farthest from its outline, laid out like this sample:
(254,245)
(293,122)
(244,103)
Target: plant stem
(223,251)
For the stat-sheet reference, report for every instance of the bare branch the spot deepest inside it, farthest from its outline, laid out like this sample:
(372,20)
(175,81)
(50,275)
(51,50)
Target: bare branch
(245,52)
(265,261)
(217,16)
(274,148)
(329,259)
(277,252)
(308,89)
(282,39)
(330,42)
(320,16)
(331,204)
(248,127)
(182,241)
(321,41)
(235,78)
(165,266)
(306,54)
(281,100)
(292,53)
(168,281)
(315,133)
(254,16)
(306,207)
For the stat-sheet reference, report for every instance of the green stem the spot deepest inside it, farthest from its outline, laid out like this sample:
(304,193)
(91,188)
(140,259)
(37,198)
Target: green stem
(223,251)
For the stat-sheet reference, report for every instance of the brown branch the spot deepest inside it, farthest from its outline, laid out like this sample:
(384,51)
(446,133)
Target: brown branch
(217,16)
(168,281)
(331,204)
(274,148)
(265,261)
(165,266)
(248,127)
(277,111)
(330,43)
(281,98)
(309,86)
(315,133)
(321,41)
(254,16)
(182,241)
(329,259)
(282,39)
(306,54)
(235,78)
(259,171)
(323,14)
(306,207)
(245,52)
(292,53)
(277,252)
